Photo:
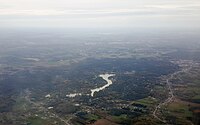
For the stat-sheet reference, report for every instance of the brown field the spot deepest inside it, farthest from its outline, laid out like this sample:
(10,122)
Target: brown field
(103,122)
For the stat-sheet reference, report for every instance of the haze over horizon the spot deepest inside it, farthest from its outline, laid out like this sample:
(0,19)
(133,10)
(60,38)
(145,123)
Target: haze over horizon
(100,13)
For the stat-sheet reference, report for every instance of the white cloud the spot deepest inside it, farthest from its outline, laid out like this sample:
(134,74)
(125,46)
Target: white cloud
(104,12)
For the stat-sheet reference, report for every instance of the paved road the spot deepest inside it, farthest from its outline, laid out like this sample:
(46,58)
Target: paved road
(170,94)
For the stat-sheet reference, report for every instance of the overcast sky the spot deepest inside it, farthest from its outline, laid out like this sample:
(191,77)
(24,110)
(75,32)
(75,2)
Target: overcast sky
(100,13)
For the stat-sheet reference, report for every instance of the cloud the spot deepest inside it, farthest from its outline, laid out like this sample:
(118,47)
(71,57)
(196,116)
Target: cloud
(149,10)
(109,12)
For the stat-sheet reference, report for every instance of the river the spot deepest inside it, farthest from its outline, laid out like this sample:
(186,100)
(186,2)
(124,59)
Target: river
(106,78)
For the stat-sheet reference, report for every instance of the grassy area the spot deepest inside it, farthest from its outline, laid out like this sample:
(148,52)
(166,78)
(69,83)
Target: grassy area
(194,90)
(122,119)
(38,121)
(189,89)
(178,112)
(196,81)
(92,117)
(179,109)
(189,93)
(196,97)
(149,101)
(146,120)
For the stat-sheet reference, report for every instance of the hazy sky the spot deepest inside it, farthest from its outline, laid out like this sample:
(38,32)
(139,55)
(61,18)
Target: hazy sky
(100,13)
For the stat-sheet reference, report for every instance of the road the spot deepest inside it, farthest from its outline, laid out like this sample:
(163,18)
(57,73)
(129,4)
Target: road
(170,94)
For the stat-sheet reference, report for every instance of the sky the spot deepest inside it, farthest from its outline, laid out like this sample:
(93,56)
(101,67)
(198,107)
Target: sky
(100,13)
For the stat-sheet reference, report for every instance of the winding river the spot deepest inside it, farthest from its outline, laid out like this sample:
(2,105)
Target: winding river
(106,78)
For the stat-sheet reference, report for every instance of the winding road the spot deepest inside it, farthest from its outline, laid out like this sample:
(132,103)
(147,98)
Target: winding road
(170,94)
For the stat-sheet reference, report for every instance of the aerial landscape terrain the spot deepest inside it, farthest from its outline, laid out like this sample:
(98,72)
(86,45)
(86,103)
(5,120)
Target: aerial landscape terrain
(99,62)
(99,78)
